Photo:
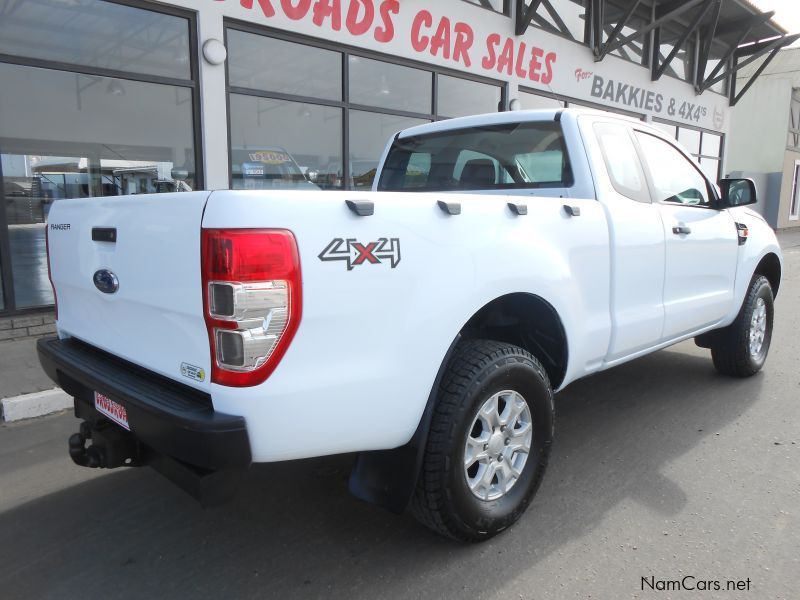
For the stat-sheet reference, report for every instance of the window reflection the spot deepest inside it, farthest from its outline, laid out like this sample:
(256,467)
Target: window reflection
(263,63)
(532,101)
(369,133)
(282,144)
(97,34)
(277,142)
(462,97)
(69,135)
(377,83)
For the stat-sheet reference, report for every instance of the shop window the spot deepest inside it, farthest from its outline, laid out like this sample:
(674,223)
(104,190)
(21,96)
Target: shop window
(97,34)
(705,147)
(369,133)
(532,101)
(98,99)
(689,139)
(282,144)
(712,145)
(462,97)
(381,84)
(668,129)
(290,102)
(263,63)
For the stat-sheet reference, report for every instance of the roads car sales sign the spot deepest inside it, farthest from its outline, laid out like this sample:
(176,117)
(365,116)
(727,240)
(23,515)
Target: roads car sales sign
(481,42)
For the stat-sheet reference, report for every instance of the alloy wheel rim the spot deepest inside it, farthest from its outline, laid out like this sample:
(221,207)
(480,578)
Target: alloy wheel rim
(758,327)
(498,445)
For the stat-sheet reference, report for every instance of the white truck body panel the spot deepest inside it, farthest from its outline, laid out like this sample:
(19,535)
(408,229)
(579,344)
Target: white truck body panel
(155,320)
(359,371)
(371,340)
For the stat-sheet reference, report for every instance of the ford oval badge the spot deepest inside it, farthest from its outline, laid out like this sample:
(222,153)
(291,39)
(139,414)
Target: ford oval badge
(105,281)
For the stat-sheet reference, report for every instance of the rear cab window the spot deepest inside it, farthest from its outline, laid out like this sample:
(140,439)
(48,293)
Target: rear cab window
(530,155)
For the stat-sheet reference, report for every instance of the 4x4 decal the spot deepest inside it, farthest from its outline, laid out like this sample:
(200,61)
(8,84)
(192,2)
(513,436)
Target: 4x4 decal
(356,253)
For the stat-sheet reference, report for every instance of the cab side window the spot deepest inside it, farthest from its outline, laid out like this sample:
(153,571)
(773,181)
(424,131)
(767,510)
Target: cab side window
(622,161)
(675,179)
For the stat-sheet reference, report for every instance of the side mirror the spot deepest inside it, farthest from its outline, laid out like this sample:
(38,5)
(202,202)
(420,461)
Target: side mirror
(737,192)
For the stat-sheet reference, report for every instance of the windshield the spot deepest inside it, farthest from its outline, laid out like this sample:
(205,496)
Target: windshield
(507,156)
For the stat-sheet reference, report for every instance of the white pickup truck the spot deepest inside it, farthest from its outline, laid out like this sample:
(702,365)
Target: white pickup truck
(423,325)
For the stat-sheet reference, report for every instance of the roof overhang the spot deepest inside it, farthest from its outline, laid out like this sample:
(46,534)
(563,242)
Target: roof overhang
(736,32)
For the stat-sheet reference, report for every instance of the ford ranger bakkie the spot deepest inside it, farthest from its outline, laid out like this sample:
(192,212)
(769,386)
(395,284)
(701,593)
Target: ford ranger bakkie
(423,326)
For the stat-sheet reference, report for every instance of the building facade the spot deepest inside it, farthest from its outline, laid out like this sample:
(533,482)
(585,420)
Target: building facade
(110,97)
(765,137)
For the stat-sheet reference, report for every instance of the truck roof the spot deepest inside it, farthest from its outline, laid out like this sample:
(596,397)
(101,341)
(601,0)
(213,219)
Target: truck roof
(498,118)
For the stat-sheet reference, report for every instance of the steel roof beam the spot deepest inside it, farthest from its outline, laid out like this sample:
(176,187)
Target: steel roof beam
(734,97)
(664,18)
(724,62)
(601,49)
(658,70)
(705,47)
(752,54)
(744,23)
(557,18)
(525,15)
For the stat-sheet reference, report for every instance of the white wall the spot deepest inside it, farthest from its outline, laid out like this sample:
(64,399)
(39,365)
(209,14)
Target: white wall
(759,127)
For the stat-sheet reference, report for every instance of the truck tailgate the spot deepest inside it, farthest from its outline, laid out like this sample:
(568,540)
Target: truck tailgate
(148,247)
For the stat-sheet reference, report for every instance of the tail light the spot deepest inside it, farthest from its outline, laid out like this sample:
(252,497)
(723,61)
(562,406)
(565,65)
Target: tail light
(49,271)
(252,301)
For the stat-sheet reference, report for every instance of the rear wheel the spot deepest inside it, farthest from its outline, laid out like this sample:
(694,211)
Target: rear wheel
(488,444)
(741,348)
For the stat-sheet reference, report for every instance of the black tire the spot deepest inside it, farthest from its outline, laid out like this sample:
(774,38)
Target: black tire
(443,500)
(731,349)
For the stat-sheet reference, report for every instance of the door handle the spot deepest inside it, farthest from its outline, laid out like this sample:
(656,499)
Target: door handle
(681,230)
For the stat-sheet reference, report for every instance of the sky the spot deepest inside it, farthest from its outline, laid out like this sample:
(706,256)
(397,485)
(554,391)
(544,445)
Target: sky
(787,13)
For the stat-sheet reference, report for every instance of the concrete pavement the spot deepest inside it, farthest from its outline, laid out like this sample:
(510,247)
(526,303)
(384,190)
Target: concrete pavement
(661,469)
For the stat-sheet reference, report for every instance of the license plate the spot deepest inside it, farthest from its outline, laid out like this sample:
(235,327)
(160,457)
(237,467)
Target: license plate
(113,410)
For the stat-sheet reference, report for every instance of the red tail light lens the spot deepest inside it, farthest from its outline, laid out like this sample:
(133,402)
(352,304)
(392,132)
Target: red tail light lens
(252,300)
(49,272)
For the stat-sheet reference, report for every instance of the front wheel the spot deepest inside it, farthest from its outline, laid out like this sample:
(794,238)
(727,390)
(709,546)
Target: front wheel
(488,444)
(741,348)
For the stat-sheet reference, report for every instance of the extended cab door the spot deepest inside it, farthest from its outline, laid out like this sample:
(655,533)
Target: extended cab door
(701,241)
(636,238)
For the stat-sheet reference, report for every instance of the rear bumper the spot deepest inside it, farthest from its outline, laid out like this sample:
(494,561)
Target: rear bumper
(168,417)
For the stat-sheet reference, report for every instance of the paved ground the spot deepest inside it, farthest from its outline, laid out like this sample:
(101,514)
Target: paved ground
(661,469)
(20,372)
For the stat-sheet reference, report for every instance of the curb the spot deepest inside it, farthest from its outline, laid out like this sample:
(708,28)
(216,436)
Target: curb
(36,404)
